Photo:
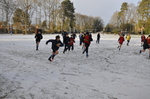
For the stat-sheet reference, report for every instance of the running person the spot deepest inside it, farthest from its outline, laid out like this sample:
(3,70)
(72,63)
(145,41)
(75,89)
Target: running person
(38,38)
(66,42)
(142,39)
(120,40)
(55,46)
(71,43)
(128,38)
(98,38)
(87,41)
(80,38)
(146,45)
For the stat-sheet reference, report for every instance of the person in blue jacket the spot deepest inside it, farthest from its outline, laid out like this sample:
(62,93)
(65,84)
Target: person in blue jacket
(55,46)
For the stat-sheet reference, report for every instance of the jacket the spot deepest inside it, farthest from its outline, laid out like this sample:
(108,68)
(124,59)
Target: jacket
(121,40)
(54,44)
(38,37)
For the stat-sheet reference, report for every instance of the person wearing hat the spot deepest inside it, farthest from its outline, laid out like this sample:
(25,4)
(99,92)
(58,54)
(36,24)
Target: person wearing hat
(55,46)
(146,45)
(87,41)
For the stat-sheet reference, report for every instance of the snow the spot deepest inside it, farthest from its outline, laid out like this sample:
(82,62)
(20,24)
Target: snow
(106,74)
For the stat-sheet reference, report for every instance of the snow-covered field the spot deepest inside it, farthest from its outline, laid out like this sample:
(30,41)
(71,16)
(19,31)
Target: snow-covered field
(106,74)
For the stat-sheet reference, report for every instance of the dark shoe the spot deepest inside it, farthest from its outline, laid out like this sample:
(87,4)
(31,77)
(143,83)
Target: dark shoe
(140,52)
(50,59)
(83,52)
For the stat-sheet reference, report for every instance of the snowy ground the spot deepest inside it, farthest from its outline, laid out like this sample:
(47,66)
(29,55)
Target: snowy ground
(106,74)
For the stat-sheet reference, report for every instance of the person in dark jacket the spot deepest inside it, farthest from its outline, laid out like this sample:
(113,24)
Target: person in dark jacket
(64,33)
(55,46)
(66,43)
(74,36)
(87,41)
(98,38)
(38,38)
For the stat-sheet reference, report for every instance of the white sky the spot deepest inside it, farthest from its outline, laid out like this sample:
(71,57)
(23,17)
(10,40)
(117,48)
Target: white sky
(102,8)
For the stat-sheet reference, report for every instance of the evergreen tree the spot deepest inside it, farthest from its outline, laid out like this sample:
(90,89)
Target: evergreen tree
(122,14)
(98,24)
(144,11)
(68,13)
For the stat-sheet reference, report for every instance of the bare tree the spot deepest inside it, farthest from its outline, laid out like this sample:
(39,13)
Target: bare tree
(8,7)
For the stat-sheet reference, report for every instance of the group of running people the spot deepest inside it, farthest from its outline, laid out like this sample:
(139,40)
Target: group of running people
(85,40)
(68,43)
(145,42)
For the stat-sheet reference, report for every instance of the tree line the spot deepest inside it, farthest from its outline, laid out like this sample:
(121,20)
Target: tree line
(131,18)
(52,16)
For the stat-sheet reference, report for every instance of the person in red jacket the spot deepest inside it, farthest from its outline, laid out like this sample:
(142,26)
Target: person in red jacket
(71,43)
(120,40)
(142,39)
(146,45)
(87,41)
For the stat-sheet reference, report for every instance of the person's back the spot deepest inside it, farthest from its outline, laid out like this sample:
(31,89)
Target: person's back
(128,37)
(87,39)
(66,39)
(142,38)
(121,39)
(98,36)
(148,40)
(71,39)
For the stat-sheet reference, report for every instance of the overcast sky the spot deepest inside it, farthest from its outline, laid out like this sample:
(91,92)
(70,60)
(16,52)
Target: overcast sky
(102,8)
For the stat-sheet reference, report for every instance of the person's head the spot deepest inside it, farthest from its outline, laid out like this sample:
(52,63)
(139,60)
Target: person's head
(121,35)
(67,35)
(57,37)
(39,32)
(87,33)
